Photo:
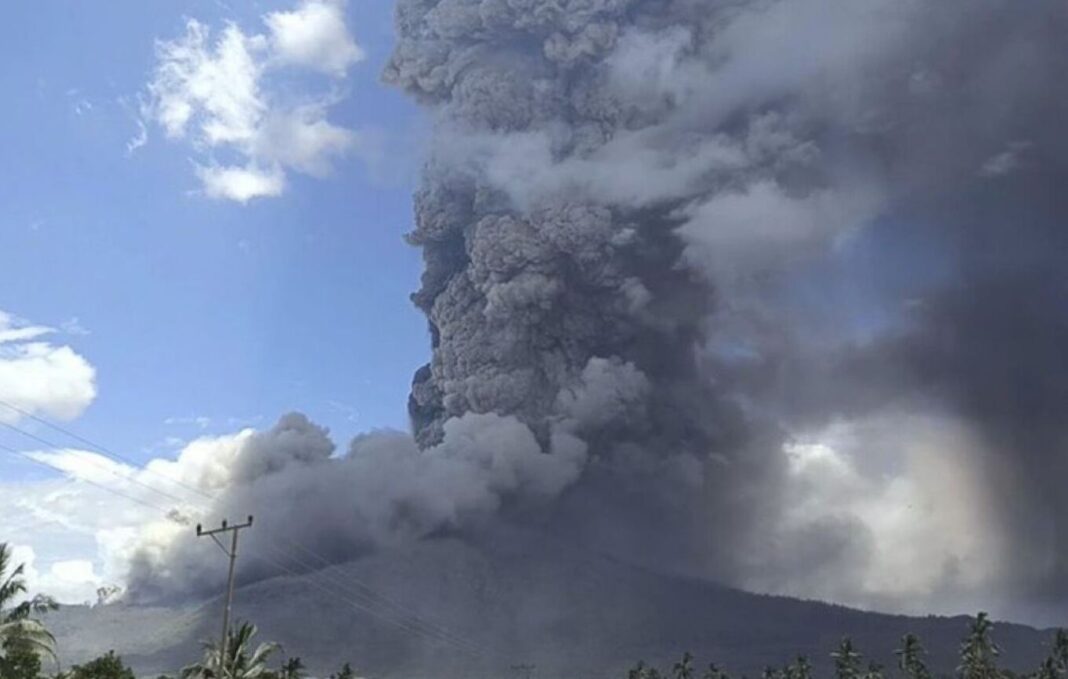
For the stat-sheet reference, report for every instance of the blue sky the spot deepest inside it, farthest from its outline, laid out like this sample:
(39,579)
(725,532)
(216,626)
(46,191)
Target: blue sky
(203,206)
(200,307)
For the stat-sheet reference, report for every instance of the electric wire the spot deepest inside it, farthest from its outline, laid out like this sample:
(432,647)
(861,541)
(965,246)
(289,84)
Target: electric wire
(93,461)
(401,623)
(272,560)
(101,486)
(372,598)
(107,452)
(368,591)
(413,623)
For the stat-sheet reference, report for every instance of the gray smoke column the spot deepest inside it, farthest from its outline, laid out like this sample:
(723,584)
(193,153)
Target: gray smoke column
(311,505)
(626,201)
(554,284)
(608,179)
(767,291)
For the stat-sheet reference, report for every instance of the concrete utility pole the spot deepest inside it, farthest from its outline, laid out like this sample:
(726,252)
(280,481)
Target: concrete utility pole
(232,553)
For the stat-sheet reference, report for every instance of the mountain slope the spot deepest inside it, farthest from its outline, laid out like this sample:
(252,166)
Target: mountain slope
(571,613)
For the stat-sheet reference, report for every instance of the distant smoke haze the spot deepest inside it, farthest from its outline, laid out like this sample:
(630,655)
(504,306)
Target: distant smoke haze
(770,292)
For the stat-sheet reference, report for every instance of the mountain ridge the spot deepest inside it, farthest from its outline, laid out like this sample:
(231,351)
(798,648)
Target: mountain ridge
(482,609)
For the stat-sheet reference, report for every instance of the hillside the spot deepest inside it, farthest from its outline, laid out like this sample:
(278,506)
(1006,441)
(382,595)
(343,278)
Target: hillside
(573,614)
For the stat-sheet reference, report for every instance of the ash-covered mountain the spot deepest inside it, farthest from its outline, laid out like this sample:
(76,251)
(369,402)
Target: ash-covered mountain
(460,612)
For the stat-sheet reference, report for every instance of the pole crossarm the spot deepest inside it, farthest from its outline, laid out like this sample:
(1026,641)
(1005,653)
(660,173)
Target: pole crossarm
(223,528)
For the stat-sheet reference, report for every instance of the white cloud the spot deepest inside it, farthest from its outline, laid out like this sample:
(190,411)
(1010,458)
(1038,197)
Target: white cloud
(86,521)
(40,377)
(138,140)
(303,139)
(219,94)
(122,520)
(205,463)
(60,529)
(903,489)
(215,88)
(314,35)
(73,581)
(241,184)
(11,334)
(201,421)
(73,326)
(85,465)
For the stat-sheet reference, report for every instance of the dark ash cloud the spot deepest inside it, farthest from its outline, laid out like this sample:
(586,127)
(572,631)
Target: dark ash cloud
(681,254)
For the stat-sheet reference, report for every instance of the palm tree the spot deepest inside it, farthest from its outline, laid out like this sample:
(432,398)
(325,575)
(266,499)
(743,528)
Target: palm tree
(1056,663)
(714,672)
(683,669)
(240,661)
(643,671)
(978,652)
(638,671)
(910,658)
(16,626)
(801,668)
(846,660)
(292,668)
(346,672)
(1048,670)
(1059,654)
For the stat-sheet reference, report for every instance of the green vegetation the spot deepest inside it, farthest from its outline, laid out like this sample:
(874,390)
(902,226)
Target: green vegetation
(22,636)
(978,660)
(107,666)
(24,641)
(238,661)
(19,661)
(292,668)
(910,658)
(346,672)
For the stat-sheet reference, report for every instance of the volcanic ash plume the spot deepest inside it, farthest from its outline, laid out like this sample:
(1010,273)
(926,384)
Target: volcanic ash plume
(626,200)
(733,281)
(607,180)
(382,492)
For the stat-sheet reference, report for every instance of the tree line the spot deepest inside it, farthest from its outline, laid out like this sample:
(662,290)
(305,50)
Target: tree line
(978,660)
(26,646)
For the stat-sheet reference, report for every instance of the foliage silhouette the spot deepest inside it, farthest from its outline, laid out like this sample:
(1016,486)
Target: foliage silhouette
(19,632)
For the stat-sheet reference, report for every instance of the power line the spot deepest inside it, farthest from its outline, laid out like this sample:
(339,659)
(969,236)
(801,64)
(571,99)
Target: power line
(34,519)
(100,448)
(413,624)
(108,453)
(92,460)
(101,486)
(333,593)
(399,613)
(364,589)
(400,624)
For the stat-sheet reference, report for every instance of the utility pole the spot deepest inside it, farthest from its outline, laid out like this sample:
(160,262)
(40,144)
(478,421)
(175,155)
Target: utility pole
(527,671)
(232,553)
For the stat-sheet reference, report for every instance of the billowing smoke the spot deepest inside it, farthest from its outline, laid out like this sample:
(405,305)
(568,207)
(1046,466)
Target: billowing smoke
(700,208)
(721,286)
(383,491)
